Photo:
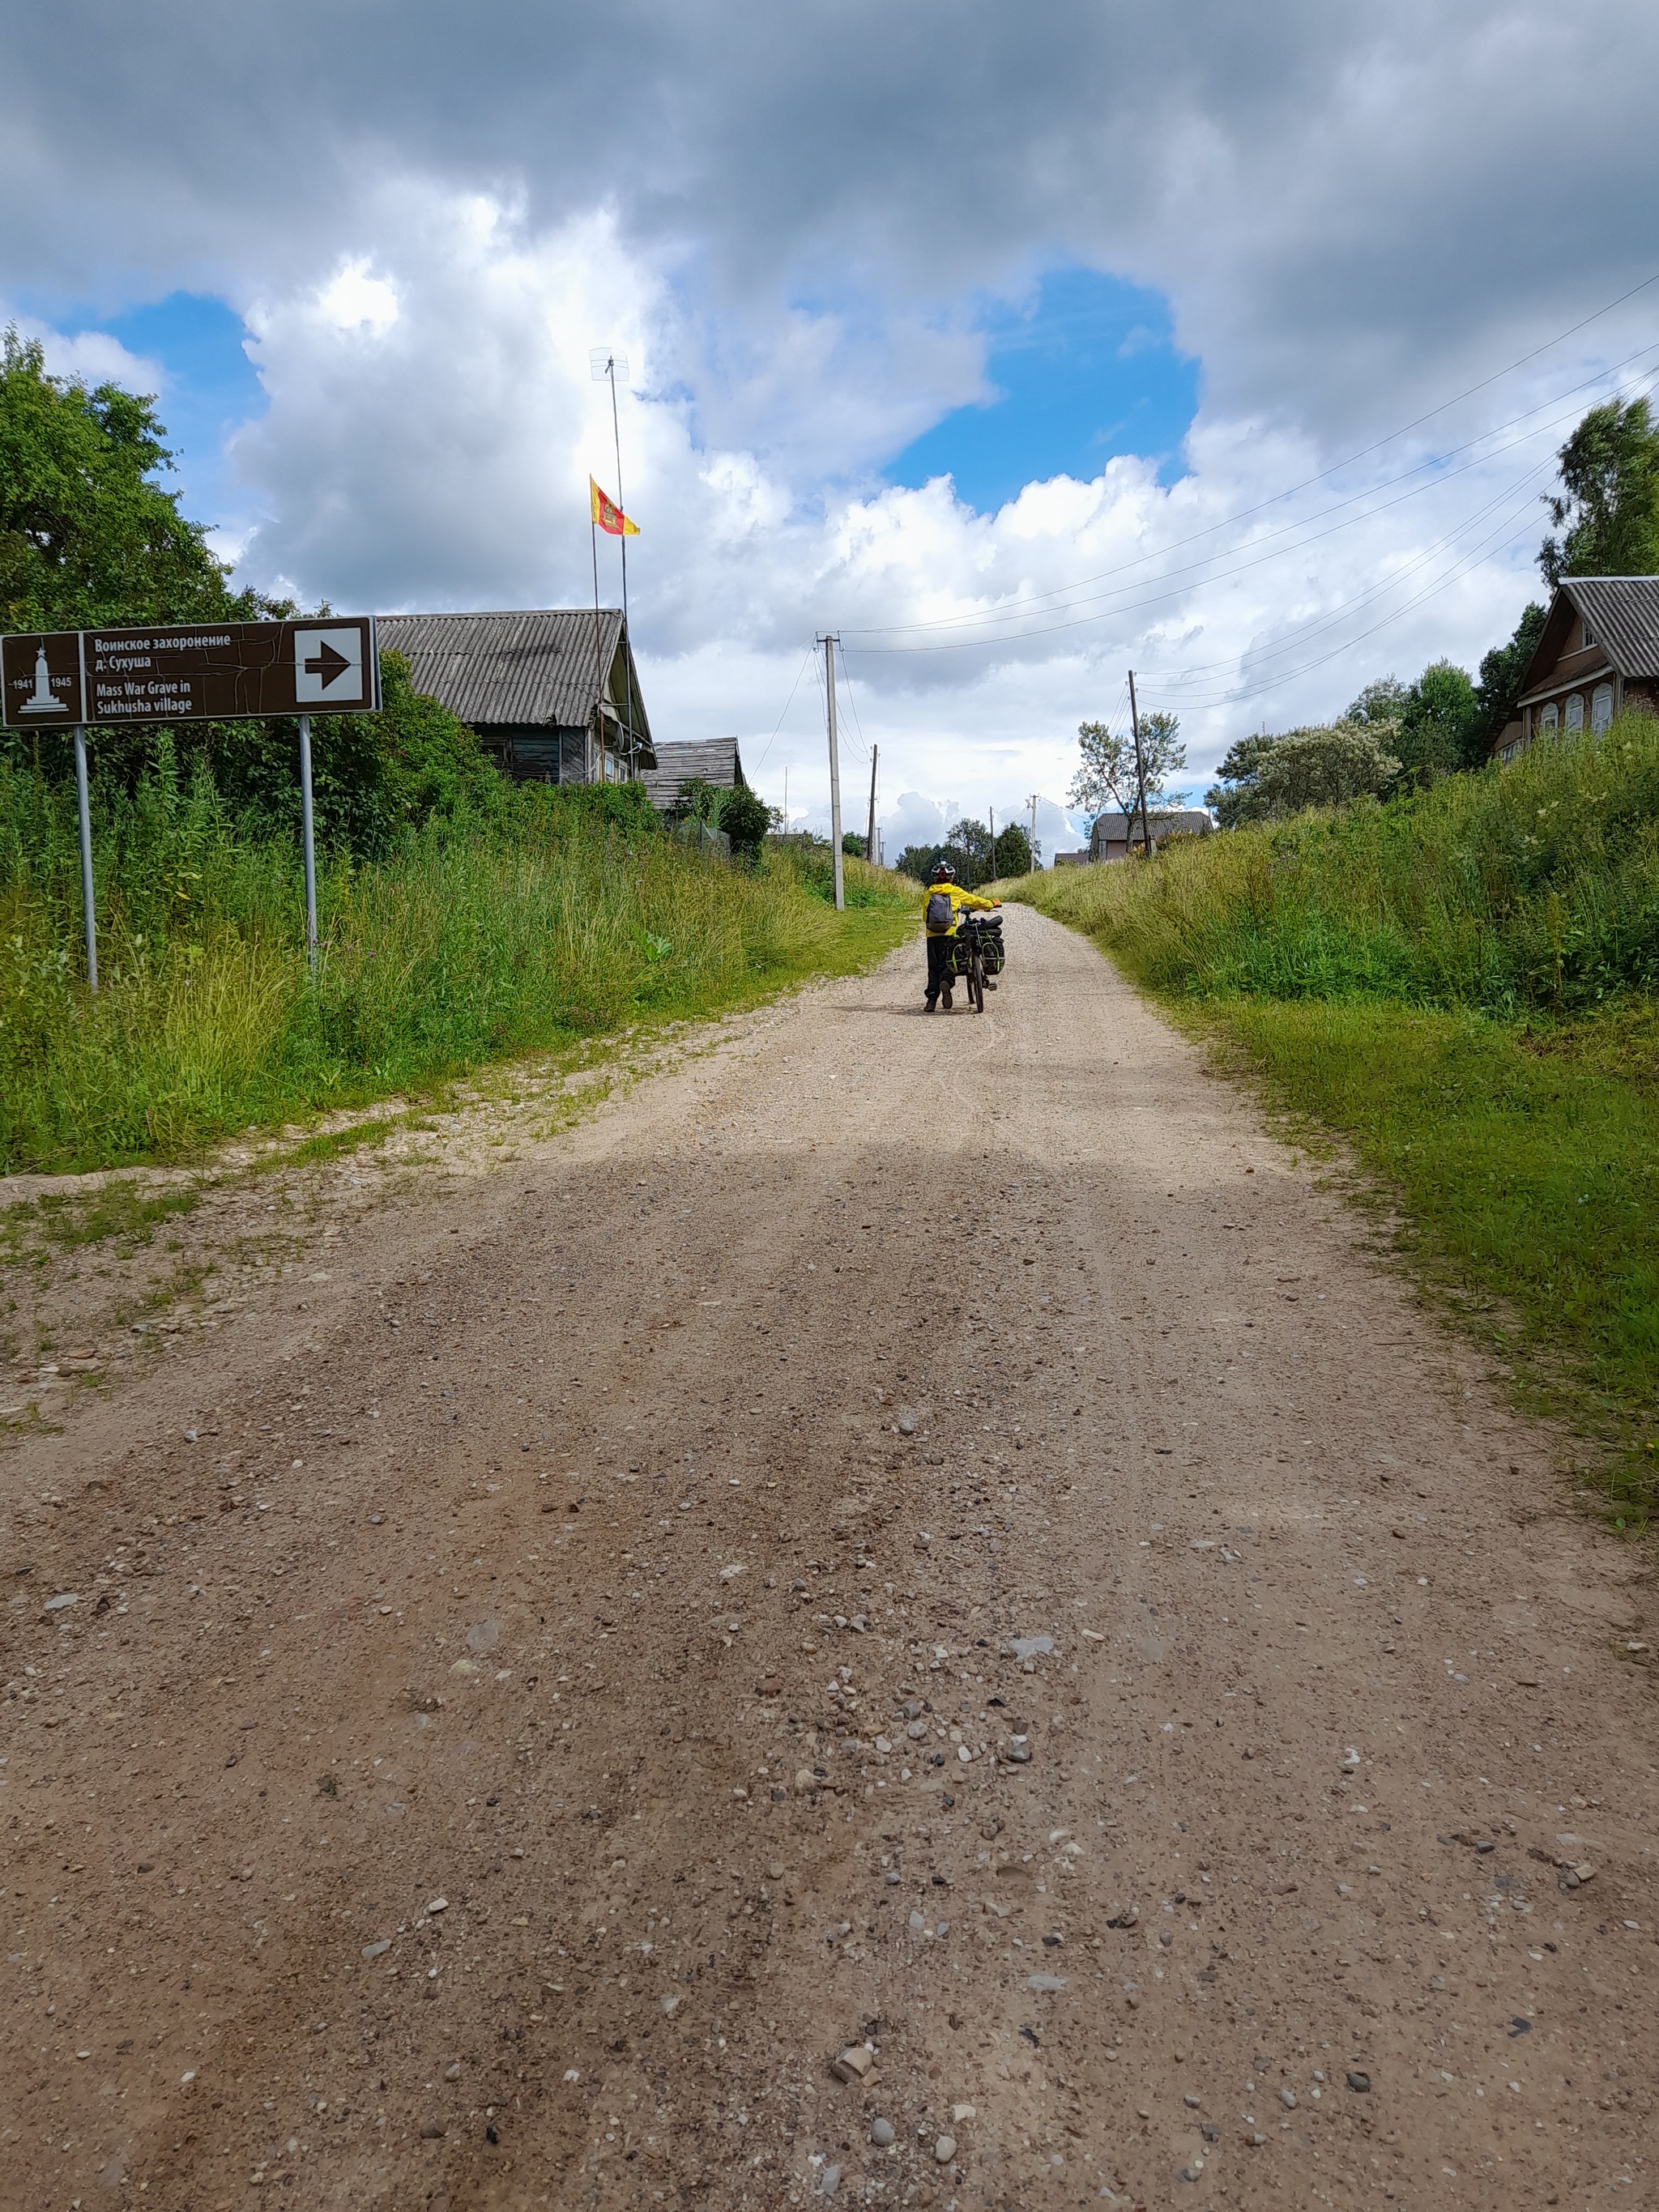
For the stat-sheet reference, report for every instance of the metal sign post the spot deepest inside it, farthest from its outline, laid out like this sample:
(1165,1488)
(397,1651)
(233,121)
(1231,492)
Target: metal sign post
(191,673)
(308,834)
(85,858)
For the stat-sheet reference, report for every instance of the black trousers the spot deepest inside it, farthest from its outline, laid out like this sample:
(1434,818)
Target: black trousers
(941,958)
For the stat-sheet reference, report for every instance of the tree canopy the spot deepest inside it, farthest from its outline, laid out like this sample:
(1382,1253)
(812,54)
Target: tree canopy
(1269,777)
(1109,774)
(966,847)
(87,536)
(1608,507)
(1429,722)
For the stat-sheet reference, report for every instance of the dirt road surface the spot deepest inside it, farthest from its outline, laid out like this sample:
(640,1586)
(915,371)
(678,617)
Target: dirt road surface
(931,1537)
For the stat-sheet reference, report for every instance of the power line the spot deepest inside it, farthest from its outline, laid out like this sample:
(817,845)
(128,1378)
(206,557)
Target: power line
(811,654)
(1256,560)
(1035,600)
(1291,640)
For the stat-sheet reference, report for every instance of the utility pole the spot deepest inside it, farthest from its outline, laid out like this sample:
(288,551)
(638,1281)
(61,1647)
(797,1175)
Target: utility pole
(829,645)
(992,814)
(1140,771)
(1034,808)
(869,842)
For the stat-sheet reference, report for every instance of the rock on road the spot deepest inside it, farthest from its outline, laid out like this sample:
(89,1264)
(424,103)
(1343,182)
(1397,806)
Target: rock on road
(926,1537)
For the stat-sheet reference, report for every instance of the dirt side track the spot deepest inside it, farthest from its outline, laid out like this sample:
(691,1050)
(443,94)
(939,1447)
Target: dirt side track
(627,1552)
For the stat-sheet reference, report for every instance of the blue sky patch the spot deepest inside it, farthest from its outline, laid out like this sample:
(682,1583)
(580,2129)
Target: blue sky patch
(1087,371)
(210,389)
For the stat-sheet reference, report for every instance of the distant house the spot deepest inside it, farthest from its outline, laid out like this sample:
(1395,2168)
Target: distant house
(552,692)
(1114,834)
(715,761)
(1072,860)
(1597,655)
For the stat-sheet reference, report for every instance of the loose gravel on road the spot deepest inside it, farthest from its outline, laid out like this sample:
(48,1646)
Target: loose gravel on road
(906,1613)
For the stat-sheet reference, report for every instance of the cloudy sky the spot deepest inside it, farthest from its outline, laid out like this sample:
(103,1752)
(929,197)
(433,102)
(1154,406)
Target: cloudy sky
(1020,346)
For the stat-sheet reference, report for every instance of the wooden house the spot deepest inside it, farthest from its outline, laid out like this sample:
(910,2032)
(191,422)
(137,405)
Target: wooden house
(713,761)
(1116,836)
(552,692)
(1597,656)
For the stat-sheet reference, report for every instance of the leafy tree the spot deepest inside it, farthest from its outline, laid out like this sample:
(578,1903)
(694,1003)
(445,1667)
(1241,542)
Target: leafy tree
(86,536)
(852,843)
(1501,674)
(1384,701)
(1607,508)
(699,800)
(747,820)
(1272,777)
(1233,800)
(921,861)
(1427,723)
(1434,730)
(1013,856)
(968,848)
(1109,772)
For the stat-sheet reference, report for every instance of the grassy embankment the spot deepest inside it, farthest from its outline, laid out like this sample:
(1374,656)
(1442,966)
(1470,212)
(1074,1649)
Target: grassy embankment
(1461,983)
(552,917)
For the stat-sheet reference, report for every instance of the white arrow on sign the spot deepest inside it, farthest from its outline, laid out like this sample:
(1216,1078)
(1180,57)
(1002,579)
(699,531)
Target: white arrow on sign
(328,665)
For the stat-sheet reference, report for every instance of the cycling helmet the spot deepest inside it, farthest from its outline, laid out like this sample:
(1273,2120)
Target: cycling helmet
(945,873)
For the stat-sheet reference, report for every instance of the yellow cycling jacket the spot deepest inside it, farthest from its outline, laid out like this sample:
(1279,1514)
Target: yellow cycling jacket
(959,898)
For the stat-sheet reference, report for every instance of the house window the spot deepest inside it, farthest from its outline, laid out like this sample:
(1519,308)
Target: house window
(1589,638)
(1601,707)
(1508,752)
(1576,711)
(1549,721)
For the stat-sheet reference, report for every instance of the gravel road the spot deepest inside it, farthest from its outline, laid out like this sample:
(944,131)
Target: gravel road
(932,1538)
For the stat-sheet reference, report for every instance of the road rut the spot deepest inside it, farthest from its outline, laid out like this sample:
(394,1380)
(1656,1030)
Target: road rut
(929,1536)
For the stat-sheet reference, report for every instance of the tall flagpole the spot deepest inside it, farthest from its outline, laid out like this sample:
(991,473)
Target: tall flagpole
(616,433)
(598,653)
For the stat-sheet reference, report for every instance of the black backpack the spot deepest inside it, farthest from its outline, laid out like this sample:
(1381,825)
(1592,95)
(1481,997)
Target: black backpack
(941,913)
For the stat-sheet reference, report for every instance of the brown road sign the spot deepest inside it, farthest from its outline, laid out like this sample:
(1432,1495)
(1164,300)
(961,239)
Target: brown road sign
(40,686)
(232,672)
(195,672)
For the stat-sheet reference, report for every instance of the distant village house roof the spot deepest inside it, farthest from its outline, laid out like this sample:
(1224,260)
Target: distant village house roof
(527,681)
(1597,655)
(1113,834)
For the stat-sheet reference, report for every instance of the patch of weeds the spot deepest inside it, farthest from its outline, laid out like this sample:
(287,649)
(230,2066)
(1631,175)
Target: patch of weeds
(123,1209)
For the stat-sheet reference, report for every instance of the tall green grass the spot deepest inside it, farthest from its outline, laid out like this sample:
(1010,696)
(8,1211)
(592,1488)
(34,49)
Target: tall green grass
(1535,890)
(1460,983)
(553,916)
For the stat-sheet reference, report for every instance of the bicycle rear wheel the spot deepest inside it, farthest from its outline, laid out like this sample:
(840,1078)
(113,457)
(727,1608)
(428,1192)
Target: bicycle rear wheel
(977,983)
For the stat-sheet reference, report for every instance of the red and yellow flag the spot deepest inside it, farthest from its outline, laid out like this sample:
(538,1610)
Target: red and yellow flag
(609,516)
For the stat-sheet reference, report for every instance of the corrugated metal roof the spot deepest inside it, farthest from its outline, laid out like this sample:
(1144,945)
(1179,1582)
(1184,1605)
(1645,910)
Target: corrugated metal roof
(1163,823)
(714,760)
(1623,613)
(534,669)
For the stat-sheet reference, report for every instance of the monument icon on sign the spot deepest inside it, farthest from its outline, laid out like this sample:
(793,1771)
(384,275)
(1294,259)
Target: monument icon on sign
(41,701)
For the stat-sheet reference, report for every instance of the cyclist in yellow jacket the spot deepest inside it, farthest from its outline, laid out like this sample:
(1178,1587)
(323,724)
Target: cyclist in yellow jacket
(946,900)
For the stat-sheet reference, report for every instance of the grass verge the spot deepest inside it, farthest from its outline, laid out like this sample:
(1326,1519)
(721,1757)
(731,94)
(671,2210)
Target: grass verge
(551,920)
(1479,1036)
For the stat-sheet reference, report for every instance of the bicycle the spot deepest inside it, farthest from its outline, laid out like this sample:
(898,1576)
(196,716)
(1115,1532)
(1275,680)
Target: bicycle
(979,955)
